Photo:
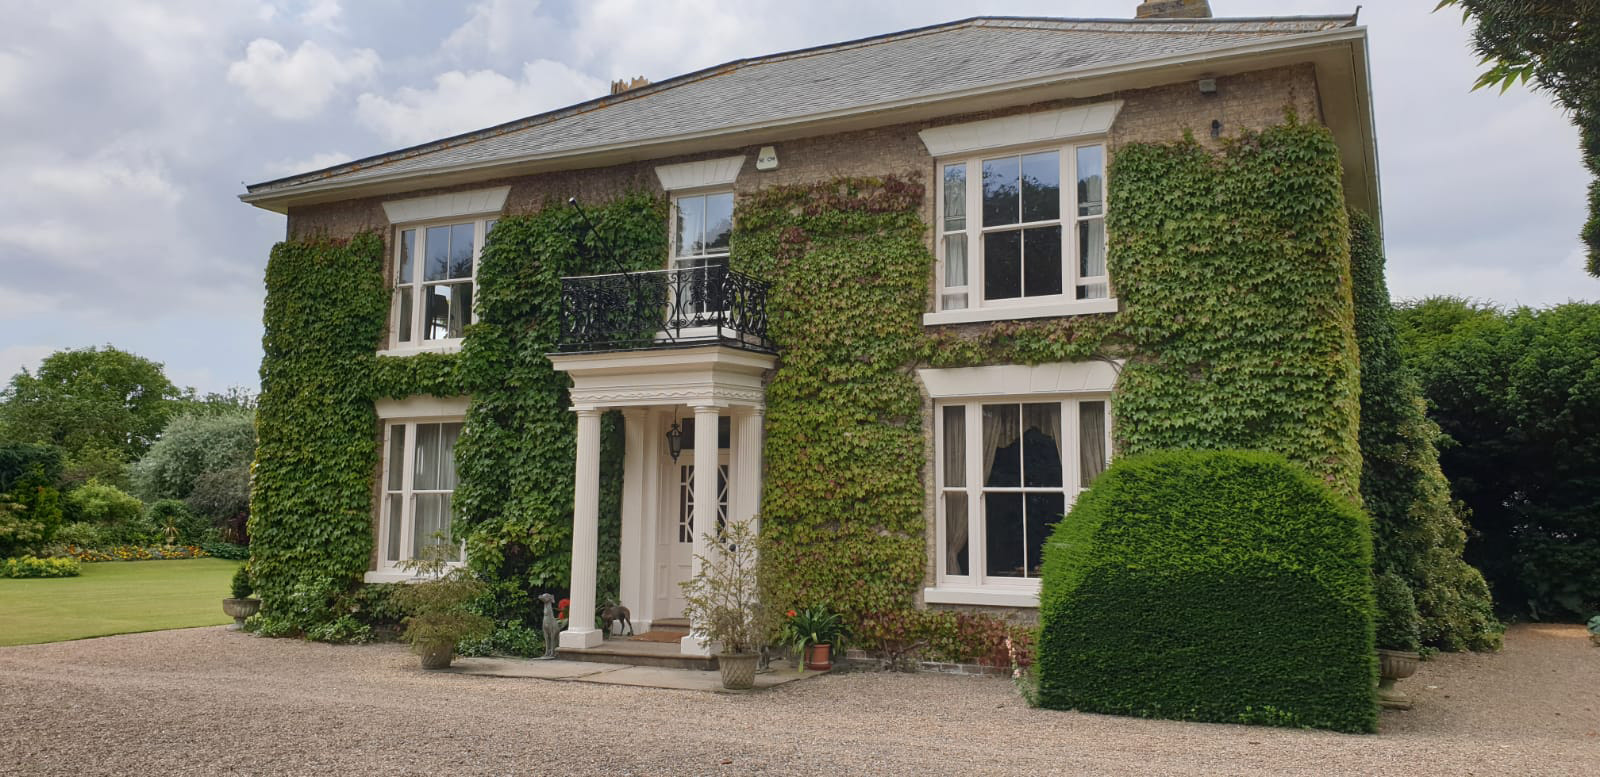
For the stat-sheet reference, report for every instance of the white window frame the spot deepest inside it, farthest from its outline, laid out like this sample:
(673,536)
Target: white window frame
(480,233)
(391,570)
(1065,303)
(976,587)
(673,258)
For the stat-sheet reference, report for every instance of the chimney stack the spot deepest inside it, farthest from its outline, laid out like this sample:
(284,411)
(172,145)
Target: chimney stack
(1174,9)
(620,85)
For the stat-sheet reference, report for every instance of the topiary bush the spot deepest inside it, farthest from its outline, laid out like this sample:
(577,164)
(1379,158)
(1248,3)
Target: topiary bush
(1217,586)
(1398,625)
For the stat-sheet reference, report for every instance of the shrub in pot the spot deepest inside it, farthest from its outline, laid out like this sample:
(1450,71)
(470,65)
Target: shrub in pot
(438,607)
(723,601)
(1399,637)
(241,605)
(813,633)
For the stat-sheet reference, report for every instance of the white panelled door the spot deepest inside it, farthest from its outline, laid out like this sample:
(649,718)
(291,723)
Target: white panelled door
(676,527)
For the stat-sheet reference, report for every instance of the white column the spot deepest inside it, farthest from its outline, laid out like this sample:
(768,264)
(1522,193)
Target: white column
(632,570)
(705,506)
(747,442)
(581,632)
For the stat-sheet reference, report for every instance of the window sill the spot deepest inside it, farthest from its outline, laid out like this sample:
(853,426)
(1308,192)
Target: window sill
(441,346)
(974,315)
(392,575)
(991,597)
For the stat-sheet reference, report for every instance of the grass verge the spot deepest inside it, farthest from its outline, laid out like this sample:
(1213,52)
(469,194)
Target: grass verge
(119,597)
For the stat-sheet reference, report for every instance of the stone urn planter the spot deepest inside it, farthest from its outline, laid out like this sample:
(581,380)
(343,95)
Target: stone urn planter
(819,657)
(1395,665)
(1595,638)
(436,655)
(738,670)
(239,609)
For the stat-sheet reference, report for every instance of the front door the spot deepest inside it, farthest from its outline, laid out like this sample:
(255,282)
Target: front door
(675,544)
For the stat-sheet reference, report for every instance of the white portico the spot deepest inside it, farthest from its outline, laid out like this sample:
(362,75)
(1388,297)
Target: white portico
(667,504)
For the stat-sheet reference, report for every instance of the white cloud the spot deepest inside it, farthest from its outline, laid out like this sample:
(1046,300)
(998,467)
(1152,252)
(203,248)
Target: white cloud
(288,167)
(462,101)
(11,77)
(298,85)
(18,303)
(322,13)
(13,358)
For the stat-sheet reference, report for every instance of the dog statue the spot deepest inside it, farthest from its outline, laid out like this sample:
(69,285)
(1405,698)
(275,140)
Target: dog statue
(616,612)
(552,627)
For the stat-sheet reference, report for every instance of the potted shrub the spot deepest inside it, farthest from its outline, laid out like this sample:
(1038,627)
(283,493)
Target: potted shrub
(241,605)
(1399,635)
(813,633)
(1594,630)
(723,602)
(438,608)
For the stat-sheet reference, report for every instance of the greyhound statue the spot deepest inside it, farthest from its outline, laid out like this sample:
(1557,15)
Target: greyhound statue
(616,612)
(552,627)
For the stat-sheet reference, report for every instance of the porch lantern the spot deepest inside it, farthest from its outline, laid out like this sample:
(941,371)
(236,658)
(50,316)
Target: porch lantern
(675,440)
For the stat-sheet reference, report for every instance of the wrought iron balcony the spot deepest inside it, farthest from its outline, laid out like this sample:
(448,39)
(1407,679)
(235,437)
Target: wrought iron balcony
(664,309)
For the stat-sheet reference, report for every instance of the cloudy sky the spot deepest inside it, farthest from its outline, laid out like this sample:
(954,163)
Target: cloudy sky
(128,128)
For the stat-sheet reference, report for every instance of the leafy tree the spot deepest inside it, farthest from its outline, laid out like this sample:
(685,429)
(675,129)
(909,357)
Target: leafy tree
(119,514)
(103,407)
(30,504)
(1517,393)
(1556,45)
(196,442)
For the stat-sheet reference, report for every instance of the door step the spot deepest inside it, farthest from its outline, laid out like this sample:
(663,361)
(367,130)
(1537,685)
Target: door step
(680,625)
(639,653)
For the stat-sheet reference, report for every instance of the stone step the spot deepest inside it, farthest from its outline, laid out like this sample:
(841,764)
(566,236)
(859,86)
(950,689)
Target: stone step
(625,651)
(671,624)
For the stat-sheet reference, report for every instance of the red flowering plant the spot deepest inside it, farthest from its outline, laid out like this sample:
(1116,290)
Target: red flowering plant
(561,611)
(816,625)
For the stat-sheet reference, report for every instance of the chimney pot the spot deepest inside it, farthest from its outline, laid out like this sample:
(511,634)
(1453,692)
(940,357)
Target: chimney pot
(622,85)
(1174,9)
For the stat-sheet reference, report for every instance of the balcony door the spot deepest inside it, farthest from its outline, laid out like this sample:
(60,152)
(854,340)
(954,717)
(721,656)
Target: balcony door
(702,224)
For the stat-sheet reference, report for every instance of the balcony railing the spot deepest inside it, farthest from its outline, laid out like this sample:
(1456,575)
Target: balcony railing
(664,309)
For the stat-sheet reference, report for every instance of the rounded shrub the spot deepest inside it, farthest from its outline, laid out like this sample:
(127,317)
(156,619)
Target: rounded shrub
(1216,586)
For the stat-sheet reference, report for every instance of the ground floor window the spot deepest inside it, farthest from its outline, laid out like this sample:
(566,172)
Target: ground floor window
(419,481)
(1007,471)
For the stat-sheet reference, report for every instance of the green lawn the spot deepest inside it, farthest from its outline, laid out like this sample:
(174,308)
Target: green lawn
(115,597)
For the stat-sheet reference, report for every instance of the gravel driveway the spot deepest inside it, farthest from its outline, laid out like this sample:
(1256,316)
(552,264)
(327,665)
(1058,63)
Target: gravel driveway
(210,701)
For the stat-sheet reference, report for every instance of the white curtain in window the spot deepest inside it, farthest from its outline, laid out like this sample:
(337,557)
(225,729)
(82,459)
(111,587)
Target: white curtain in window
(1091,441)
(1000,430)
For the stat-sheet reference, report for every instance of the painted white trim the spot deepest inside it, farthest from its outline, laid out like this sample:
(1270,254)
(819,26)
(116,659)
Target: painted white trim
(994,596)
(1019,380)
(1082,121)
(438,346)
(422,407)
(1005,313)
(706,172)
(391,575)
(447,206)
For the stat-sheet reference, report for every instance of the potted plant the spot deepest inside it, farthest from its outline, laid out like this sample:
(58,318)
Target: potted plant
(814,633)
(438,607)
(1399,633)
(723,602)
(1594,630)
(241,605)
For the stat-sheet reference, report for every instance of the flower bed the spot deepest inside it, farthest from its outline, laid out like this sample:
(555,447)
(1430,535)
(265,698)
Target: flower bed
(131,553)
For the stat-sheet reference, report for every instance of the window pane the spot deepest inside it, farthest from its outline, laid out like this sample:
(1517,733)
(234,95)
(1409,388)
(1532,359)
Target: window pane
(1091,248)
(436,316)
(1041,250)
(955,197)
(1000,191)
(955,260)
(955,446)
(1002,453)
(954,302)
(1091,441)
(460,310)
(1044,512)
(1003,539)
(392,542)
(425,471)
(1002,265)
(691,225)
(1041,444)
(448,434)
(461,251)
(1094,291)
(719,221)
(436,267)
(955,533)
(1041,186)
(488,227)
(397,458)
(1091,181)
(408,251)
(431,525)
(403,321)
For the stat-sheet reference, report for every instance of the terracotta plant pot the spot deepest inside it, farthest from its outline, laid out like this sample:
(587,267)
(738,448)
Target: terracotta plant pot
(738,670)
(819,657)
(436,655)
(239,609)
(1395,665)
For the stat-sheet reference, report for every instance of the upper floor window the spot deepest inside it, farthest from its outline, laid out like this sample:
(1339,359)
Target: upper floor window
(434,269)
(1012,236)
(701,227)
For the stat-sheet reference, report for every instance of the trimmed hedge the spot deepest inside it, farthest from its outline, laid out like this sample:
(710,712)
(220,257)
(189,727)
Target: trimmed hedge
(1216,586)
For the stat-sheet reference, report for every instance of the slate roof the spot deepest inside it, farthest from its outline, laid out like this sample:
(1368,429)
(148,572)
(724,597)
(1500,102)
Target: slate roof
(885,69)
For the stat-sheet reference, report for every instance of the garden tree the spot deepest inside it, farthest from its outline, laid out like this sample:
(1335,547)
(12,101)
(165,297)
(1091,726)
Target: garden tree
(1555,44)
(119,515)
(1417,536)
(1518,395)
(30,504)
(104,407)
(203,457)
